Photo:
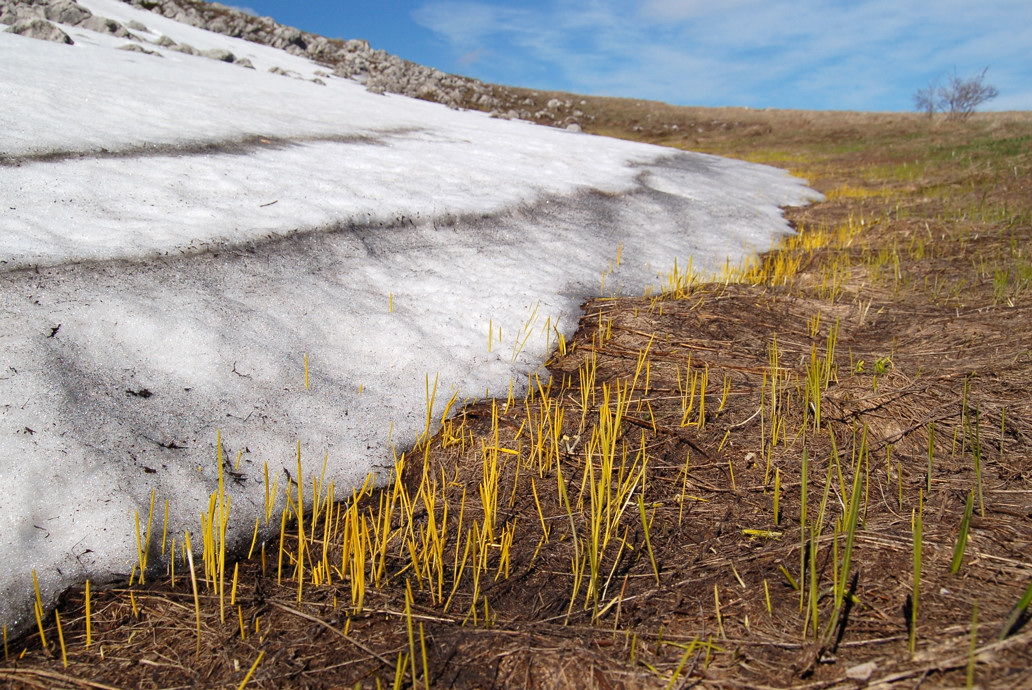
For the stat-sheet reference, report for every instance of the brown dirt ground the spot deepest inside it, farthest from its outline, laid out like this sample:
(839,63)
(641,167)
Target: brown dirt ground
(931,299)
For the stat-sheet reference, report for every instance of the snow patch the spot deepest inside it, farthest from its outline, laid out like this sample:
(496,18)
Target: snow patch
(178,235)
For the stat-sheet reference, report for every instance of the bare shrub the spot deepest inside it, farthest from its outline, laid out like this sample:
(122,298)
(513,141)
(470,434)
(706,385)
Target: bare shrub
(926,99)
(958,99)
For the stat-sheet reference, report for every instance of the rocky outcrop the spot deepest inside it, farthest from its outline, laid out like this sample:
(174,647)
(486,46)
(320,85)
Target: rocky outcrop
(33,18)
(14,13)
(380,71)
(103,25)
(353,59)
(66,12)
(39,28)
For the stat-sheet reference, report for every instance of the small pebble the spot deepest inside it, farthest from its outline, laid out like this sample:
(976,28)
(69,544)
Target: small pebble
(861,672)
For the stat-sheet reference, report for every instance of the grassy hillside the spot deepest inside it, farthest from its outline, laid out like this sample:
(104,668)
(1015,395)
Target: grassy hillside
(813,471)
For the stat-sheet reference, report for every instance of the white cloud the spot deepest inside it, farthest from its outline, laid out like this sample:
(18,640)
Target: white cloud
(464,24)
(806,53)
(689,9)
(472,57)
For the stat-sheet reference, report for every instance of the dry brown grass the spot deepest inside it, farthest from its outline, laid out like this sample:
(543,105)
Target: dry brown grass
(919,263)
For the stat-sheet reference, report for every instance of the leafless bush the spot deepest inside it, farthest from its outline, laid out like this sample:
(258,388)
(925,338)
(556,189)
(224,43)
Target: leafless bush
(926,100)
(958,99)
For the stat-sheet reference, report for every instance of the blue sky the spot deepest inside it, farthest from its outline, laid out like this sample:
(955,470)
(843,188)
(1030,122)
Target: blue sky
(809,54)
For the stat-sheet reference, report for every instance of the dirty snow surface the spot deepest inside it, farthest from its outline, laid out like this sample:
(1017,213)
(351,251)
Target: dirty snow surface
(180,237)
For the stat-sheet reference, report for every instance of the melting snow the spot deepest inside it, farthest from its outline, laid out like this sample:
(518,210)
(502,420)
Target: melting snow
(178,235)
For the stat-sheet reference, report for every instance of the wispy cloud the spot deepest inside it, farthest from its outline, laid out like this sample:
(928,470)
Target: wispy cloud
(871,54)
(472,57)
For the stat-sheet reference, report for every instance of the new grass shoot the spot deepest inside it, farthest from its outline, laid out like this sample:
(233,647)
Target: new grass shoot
(962,536)
(917,526)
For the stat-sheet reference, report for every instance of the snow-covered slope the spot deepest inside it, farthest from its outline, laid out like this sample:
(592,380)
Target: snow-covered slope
(180,236)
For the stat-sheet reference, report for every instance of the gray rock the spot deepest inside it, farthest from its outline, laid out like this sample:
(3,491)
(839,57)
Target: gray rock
(188,16)
(220,54)
(165,42)
(41,29)
(862,672)
(186,49)
(137,48)
(244,62)
(287,36)
(356,45)
(284,72)
(137,26)
(66,12)
(16,14)
(103,25)
(218,25)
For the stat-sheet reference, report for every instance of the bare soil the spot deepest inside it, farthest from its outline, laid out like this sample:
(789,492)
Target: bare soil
(919,269)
